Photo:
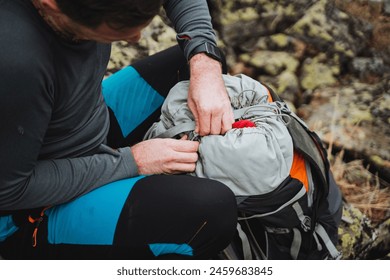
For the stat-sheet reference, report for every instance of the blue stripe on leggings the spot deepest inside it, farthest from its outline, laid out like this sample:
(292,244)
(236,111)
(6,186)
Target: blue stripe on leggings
(131,98)
(90,219)
(7,227)
(159,249)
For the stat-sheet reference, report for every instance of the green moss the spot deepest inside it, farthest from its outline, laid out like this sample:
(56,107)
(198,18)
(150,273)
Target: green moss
(313,23)
(248,14)
(347,241)
(377,160)
(287,80)
(241,15)
(317,74)
(273,63)
(340,47)
(281,40)
(290,10)
(245,57)
(356,115)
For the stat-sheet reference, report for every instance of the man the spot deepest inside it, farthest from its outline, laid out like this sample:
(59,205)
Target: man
(71,186)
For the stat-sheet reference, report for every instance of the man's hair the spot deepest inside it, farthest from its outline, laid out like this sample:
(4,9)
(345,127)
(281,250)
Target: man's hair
(115,13)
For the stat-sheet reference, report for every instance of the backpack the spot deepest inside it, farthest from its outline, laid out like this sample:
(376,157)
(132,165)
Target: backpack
(289,206)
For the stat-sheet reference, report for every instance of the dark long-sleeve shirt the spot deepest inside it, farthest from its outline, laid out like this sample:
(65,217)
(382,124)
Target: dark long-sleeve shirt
(53,119)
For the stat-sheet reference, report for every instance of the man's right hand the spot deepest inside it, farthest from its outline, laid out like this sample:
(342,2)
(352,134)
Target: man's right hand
(165,156)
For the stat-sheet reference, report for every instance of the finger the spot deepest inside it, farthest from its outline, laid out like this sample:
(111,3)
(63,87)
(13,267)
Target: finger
(227,121)
(188,157)
(195,113)
(216,125)
(197,126)
(204,124)
(180,168)
(185,146)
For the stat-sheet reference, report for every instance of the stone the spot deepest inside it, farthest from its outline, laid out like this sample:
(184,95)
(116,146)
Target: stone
(354,117)
(366,66)
(386,7)
(270,62)
(316,73)
(355,232)
(331,30)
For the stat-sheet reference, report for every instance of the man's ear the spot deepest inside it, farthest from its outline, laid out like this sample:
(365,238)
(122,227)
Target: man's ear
(50,5)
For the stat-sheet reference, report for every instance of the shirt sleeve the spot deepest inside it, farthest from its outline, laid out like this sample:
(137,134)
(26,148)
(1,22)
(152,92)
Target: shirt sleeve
(26,181)
(192,22)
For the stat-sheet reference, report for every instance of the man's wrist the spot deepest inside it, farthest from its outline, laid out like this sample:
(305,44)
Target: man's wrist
(208,49)
(201,64)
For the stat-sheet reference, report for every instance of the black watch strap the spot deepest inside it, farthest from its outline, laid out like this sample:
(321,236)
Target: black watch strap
(208,49)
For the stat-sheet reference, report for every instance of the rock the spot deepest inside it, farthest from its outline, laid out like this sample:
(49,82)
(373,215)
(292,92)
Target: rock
(285,84)
(280,42)
(387,7)
(157,37)
(379,248)
(330,30)
(355,232)
(316,72)
(364,67)
(355,117)
(242,22)
(270,62)
(275,42)
(359,239)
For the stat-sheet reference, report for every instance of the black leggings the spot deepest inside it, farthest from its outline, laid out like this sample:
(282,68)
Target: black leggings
(159,216)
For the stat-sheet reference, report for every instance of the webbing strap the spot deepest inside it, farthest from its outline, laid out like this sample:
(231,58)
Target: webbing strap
(296,244)
(305,220)
(177,129)
(230,254)
(319,246)
(328,243)
(246,248)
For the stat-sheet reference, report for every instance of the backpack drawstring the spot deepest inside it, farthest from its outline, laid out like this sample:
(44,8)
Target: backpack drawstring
(259,112)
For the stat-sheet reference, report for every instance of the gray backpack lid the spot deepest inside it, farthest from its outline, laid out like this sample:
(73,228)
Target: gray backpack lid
(250,160)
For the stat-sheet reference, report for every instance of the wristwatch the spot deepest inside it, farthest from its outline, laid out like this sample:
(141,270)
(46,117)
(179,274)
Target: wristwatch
(209,50)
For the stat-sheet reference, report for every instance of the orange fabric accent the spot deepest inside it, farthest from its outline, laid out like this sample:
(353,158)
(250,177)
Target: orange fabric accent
(37,222)
(31,219)
(298,170)
(34,237)
(269,96)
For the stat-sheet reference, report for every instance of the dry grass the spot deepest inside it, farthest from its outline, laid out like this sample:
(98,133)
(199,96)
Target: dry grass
(361,188)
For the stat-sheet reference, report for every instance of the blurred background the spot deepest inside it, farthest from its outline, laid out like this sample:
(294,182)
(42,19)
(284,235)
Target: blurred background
(330,60)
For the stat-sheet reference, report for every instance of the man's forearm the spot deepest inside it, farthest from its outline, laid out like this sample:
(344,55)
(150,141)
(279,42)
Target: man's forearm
(192,22)
(54,182)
